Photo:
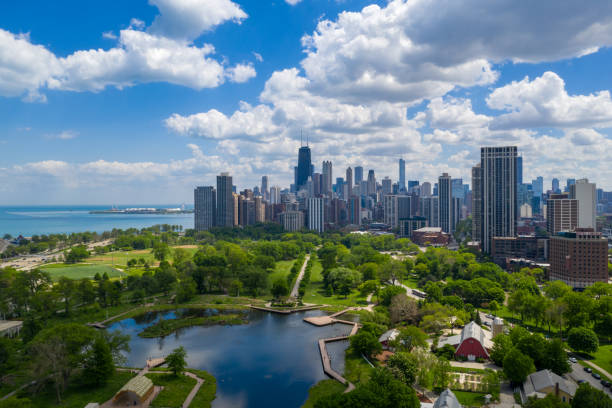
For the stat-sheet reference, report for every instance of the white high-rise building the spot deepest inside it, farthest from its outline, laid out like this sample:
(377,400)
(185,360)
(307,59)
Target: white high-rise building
(316,215)
(586,194)
(275,197)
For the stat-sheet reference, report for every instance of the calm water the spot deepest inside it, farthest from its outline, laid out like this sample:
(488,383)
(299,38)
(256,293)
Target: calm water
(29,221)
(270,362)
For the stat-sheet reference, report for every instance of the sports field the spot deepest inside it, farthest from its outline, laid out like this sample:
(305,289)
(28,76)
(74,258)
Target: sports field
(80,271)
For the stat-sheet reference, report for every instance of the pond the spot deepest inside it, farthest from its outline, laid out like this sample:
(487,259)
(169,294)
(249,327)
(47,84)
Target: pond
(270,362)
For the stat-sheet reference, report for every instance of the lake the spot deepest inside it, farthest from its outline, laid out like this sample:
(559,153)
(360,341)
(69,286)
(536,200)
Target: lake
(270,362)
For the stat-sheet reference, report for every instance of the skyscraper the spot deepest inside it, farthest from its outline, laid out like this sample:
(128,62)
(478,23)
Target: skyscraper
(561,213)
(446,203)
(304,167)
(386,186)
(275,195)
(358,175)
(499,204)
(205,208)
(568,183)
(519,170)
(225,201)
(585,193)
(402,174)
(371,182)
(538,187)
(326,184)
(316,216)
(555,186)
(476,203)
(264,188)
(349,183)
(426,189)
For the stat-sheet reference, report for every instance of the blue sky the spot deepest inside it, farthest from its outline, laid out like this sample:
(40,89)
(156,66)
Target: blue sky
(139,101)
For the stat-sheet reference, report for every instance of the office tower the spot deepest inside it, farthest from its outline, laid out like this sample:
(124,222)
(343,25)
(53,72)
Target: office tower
(426,189)
(457,188)
(304,167)
(349,183)
(395,208)
(579,258)
(435,189)
(402,174)
(354,210)
(561,213)
(446,203)
(600,194)
(358,175)
(519,170)
(386,186)
(260,210)
(412,184)
(430,209)
(569,182)
(316,215)
(205,207)
(265,193)
(585,193)
(555,186)
(235,198)
(499,209)
(326,184)
(292,220)
(225,201)
(408,225)
(340,187)
(476,203)
(275,195)
(538,187)
(371,183)
(316,184)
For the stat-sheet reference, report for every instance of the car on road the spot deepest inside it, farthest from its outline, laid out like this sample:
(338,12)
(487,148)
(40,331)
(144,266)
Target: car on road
(573,360)
(489,316)
(588,370)
(605,383)
(596,376)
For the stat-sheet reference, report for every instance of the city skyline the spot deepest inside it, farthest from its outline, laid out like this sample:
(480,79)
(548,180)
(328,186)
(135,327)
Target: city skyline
(101,130)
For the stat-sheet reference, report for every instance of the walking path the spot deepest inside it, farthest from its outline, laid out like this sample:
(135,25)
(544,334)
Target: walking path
(598,368)
(296,287)
(194,390)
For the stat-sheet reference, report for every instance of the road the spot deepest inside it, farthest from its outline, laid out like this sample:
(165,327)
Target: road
(578,373)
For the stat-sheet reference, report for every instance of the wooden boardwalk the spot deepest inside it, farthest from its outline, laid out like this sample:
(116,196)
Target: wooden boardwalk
(286,311)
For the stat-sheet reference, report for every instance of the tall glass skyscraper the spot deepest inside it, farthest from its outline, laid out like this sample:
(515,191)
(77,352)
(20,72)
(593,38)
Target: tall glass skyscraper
(304,167)
(358,175)
(225,201)
(402,174)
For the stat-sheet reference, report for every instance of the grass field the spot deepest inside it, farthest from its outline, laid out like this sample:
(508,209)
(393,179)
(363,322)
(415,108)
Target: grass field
(208,390)
(316,294)
(79,396)
(470,399)
(281,270)
(176,389)
(411,282)
(603,357)
(322,389)
(80,271)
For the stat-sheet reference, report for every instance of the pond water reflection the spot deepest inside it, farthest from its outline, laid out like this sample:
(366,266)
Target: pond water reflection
(270,362)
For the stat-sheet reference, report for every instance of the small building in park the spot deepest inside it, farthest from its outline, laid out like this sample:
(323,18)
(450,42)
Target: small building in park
(388,337)
(545,382)
(472,343)
(10,328)
(447,400)
(135,392)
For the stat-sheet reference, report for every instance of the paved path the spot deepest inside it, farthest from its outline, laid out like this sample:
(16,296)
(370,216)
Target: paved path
(598,368)
(296,287)
(194,390)
(408,290)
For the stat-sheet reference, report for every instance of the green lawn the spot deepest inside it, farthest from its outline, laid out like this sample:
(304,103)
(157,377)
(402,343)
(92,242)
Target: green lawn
(603,357)
(281,270)
(356,369)
(315,293)
(322,389)
(176,389)
(78,396)
(411,282)
(469,399)
(208,390)
(80,271)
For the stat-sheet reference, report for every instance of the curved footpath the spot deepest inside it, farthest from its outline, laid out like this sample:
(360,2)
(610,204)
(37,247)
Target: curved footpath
(296,287)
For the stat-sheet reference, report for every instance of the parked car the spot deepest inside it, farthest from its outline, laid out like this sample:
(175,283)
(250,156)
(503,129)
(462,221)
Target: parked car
(581,381)
(573,359)
(596,376)
(588,370)
(604,383)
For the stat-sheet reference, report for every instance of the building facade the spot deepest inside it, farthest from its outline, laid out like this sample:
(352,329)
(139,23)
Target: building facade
(292,220)
(445,194)
(561,213)
(586,194)
(225,201)
(316,214)
(205,207)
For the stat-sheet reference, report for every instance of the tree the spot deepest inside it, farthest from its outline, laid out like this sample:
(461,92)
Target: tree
(583,339)
(549,401)
(556,289)
(165,277)
(235,287)
(603,327)
(555,357)
(255,280)
(587,396)
(446,351)
(66,289)
(185,290)
(365,343)
(441,374)
(176,360)
(367,287)
(404,366)
(161,251)
(343,278)
(494,306)
(517,366)
(388,292)
(410,337)
(98,365)
(76,254)
(280,288)
(403,308)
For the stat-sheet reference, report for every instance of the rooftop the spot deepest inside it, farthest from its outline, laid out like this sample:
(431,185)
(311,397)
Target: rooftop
(541,380)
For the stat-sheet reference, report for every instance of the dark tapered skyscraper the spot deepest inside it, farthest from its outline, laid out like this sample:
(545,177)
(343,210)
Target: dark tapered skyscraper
(225,201)
(499,210)
(205,209)
(445,192)
(358,175)
(304,167)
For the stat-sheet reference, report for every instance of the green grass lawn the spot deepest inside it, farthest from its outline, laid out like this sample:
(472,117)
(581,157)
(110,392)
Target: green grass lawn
(356,369)
(322,389)
(77,396)
(80,271)
(315,293)
(411,282)
(176,389)
(281,270)
(208,390)
(603,357)
(120,258)
(470,399)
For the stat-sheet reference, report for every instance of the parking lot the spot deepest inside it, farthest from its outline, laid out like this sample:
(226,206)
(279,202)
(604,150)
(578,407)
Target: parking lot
(578,374)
